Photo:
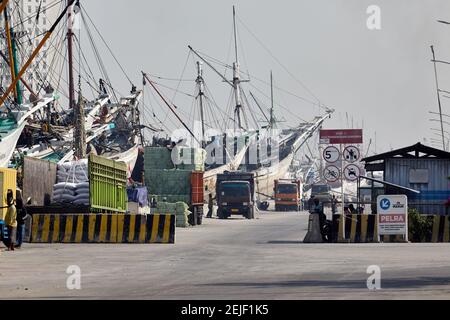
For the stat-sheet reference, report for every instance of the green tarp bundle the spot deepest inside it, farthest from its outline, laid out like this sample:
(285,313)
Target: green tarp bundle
(180,209)
(157,158)
(189,158)
(170,182)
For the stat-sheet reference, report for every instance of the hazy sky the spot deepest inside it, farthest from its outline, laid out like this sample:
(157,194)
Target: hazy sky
(382,78)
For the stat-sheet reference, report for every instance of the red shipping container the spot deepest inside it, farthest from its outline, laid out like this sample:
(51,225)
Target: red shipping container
(197,186)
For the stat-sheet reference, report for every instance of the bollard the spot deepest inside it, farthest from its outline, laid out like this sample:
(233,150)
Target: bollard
(314,235)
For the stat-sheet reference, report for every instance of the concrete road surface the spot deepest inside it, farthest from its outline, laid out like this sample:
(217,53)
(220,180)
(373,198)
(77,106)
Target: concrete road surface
(233,259)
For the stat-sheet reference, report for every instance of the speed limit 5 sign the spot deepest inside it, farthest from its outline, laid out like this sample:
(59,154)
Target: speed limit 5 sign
(331,154)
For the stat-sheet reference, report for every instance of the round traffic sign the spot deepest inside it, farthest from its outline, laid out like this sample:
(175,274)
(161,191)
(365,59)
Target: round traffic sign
(331,154)
(352,172)
(351,154)
(332,173)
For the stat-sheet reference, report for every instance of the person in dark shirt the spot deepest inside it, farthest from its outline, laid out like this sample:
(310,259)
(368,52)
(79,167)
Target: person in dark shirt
(210,206)
(21,216)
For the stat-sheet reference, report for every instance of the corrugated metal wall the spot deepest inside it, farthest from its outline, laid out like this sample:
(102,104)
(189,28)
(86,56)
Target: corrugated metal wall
(38,180)
(434,193)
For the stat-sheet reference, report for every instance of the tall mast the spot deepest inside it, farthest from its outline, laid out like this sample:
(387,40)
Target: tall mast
(79,143)
(72,103)
(80,133)
(201,93)
(272,116)
(236,76)
(10,50)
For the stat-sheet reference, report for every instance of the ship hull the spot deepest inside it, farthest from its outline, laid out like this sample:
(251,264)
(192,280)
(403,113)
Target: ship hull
(8,145)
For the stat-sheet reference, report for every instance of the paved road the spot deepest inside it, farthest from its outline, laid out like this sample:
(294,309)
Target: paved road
(233,259)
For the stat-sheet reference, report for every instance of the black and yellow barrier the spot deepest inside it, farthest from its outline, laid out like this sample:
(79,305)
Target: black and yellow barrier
(440,229)
(358,228)
(364,229)
(98,228)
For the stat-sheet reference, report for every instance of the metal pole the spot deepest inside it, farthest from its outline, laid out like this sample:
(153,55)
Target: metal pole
(342,192)
(438,97)
(201,93)
(72,103)
(10,50)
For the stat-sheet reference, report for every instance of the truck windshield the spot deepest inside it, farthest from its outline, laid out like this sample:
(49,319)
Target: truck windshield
(287,189)
(234,189)
(320,189)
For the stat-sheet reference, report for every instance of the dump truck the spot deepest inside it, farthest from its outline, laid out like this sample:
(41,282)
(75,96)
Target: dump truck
(235,194)
(287,194)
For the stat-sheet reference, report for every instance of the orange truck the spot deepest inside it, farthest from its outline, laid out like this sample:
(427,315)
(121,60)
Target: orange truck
(287,194)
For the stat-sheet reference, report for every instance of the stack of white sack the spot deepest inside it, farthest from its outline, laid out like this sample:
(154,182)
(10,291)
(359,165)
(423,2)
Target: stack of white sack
(73,172)
(82,194)
(73,193)
(72,183)
(64,192)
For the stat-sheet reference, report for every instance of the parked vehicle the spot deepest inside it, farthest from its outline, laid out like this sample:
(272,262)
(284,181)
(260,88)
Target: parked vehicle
(287,194)
(322,192)
(235,194)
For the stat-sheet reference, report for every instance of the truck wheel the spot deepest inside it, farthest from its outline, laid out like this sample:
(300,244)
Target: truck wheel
(221,214)
(194,217)
(250,214)
(199,216)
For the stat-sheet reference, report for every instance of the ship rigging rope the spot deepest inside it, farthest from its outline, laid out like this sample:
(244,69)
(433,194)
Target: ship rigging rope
(252,113)
(107,46)
(279,62)
(153,112)
(278,105)
(212,101)
(167,118)
(284,90)
(31,17)
(97,55)
(18,9)
(42,80)
(182,75)
(170,79)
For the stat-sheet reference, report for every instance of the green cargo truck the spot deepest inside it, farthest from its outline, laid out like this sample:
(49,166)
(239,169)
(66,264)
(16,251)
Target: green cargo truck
(107,188)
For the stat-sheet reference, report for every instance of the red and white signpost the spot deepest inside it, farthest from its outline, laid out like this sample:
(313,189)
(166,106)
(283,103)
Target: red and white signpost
(344,137)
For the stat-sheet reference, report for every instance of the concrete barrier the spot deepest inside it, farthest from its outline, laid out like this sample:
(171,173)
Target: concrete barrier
(364,229)
(440,229)
(102,228)
(314,235)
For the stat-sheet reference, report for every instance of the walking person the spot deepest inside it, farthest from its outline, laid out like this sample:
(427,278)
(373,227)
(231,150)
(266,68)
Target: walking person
(210,206)
(21,216)
(11,220)
(333,204)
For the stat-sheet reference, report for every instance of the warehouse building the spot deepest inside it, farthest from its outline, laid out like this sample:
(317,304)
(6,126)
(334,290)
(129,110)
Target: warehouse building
(417,167)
